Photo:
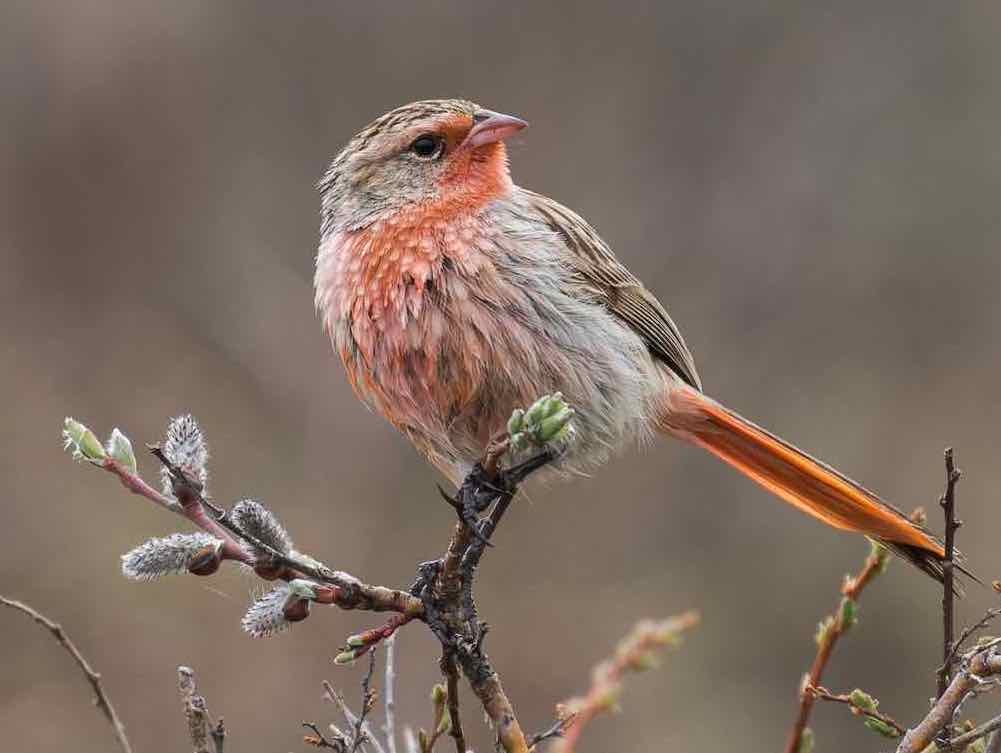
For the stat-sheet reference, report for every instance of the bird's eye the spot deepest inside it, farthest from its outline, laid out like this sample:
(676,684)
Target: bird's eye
(426,145)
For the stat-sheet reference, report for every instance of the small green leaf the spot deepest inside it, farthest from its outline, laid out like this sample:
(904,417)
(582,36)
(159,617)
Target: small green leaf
(344,658)
(824,628)
(516,422)
(85,445)
(862,700)
(849,613)
(806,741)
(302,588)
(881,727)
(120,448)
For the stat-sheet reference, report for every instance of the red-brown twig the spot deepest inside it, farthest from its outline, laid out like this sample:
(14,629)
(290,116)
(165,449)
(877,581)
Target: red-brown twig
(830,630)
(635,653)
(824,694)
(101,699)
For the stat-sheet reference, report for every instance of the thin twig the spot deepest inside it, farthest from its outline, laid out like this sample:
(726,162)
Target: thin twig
(451,672)
(197,715)
(994,744)
(966,633)
(351,717)
(367,702)
(832,628)
(351,593)
(824,694)
(959,742)
(319,740)
(980,664)
(101,699)
(948,502)
(634,653)
(388,690)
(556,730)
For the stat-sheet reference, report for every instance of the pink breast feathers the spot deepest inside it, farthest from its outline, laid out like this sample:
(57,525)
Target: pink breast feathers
(372,287)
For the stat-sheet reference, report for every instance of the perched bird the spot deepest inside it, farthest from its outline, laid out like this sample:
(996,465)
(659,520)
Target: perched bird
(454,296)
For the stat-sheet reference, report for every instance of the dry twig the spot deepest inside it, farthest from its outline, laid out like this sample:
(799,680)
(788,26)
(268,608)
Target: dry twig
(635,653)
(200,726)
(948,503)
(976,666)
(101,699)
(831,628)
(864,707)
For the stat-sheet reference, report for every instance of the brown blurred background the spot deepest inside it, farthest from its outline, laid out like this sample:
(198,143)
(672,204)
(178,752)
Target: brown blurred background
(813,192)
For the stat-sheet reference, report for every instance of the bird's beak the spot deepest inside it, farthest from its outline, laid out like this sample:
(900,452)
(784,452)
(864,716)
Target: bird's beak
(489,127)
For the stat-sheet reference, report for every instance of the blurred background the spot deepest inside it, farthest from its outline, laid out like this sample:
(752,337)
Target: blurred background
(812,192)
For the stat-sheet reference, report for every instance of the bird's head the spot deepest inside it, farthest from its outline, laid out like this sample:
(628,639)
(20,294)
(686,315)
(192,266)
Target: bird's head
(447,154)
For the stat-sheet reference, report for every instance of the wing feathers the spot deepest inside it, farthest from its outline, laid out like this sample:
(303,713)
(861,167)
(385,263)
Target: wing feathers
(608,280)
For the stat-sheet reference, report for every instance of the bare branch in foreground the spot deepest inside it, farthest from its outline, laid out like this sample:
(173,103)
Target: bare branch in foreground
(830,629)
(388,695)
(101,699)
(864,705)
(948,503)
(200,726)
(637,652)
(442,596)
(994,745)
(976,666)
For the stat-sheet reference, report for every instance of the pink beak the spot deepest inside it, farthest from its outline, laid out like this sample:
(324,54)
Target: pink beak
(489,126)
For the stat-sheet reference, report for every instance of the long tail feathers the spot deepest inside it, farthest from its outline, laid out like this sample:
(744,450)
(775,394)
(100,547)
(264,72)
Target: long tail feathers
(812,486)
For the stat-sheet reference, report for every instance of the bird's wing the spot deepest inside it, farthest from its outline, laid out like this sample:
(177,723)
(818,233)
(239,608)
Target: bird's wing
(603,276)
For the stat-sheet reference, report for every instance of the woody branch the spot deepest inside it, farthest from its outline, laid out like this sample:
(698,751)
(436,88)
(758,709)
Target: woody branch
(251,535)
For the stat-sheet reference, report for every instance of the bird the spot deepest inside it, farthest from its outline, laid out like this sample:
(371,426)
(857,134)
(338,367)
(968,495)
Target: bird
(453,296)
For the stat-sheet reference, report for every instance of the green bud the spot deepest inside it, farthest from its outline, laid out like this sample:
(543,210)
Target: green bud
(86,446)
(849,613)
(862,700)
(356,641)
(422,740)
(645,661)
(302,588)
(445,724)
(879,552)
(554,427)
(516,422)
(806,741)
(536,411)
(438,694)
(553,404)
(120,448)
(881,727)
(344,658)
(824,628)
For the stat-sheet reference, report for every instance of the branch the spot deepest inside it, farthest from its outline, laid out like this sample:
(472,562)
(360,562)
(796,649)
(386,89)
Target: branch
(976,666)
(200,726)
(442,596)
(389,701)
(960,742)
(861,704)
(101,699)
(450,669)
(948,502)
(636,652)
(829,631)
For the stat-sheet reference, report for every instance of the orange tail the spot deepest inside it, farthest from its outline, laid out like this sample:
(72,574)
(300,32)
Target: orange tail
(812,486)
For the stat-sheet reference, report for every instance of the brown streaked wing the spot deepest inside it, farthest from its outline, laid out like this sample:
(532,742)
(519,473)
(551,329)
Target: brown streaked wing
(616,287)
